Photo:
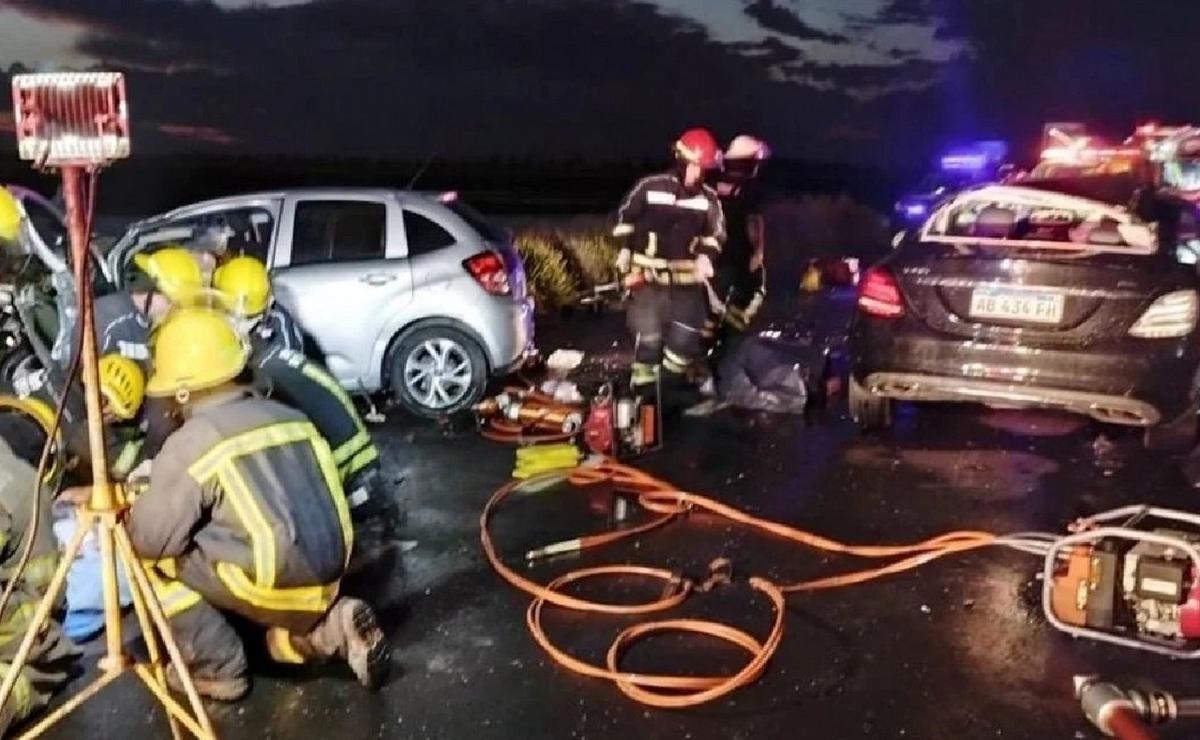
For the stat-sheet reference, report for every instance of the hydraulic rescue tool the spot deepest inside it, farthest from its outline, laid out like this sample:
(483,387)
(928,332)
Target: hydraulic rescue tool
(1130,576)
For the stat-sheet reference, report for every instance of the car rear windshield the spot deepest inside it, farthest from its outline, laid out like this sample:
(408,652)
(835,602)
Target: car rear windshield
(476,220)
(1025,217)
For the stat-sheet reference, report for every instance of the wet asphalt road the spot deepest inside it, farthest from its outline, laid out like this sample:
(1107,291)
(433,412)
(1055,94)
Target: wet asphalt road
(958,650)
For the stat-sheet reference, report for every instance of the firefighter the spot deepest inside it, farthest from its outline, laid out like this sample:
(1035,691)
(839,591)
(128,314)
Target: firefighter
(672,228)
(283,372)
(245,515)
(739,286)
(47,667)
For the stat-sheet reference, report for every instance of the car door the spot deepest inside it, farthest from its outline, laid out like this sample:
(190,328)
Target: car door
(339,268)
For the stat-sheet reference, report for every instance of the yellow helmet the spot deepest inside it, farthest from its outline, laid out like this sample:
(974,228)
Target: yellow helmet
(10,217)
(175,271)
(123,385)
(245,283)
(195,349)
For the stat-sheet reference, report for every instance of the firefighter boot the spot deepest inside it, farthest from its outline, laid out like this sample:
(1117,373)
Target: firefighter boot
(351,632)
(228,689)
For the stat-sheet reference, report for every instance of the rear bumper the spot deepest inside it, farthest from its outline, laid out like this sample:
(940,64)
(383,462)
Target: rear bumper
(1102,407)
(1131,382)
(508,334)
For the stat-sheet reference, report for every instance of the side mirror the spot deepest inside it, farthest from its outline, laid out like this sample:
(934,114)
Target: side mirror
(899,238)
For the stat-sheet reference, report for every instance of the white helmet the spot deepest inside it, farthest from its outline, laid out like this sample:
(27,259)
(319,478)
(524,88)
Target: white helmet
(748,147)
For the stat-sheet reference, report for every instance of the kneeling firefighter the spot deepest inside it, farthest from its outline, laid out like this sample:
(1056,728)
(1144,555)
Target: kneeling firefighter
(282,371)
(245,515)
(673,229)
(739,285)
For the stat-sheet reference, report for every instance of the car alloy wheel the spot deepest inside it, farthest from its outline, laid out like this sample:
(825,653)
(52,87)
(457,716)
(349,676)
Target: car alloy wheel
(438,373)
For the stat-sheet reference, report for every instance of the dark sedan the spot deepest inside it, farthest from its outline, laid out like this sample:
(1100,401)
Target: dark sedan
(1036,296)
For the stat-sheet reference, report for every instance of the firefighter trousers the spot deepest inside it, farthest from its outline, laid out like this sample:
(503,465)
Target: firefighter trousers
(196,604)
(666,323)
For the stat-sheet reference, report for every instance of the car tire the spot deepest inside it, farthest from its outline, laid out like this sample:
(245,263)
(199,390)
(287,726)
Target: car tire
(1175,436)
(437,371)
(871,413)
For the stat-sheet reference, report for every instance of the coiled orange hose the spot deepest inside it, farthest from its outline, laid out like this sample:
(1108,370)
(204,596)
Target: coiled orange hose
(662,499)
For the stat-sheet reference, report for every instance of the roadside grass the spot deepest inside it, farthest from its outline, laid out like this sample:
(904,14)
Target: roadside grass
(562,262)
(566,257)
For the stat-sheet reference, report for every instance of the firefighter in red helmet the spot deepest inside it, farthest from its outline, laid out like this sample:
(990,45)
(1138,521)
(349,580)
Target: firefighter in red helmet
(672,229)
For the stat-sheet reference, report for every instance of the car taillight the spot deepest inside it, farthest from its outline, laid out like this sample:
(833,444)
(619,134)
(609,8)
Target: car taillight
(488,270)
(1172,315)
(879,295)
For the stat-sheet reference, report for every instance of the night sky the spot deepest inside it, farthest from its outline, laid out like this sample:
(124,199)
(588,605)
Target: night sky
(834,80)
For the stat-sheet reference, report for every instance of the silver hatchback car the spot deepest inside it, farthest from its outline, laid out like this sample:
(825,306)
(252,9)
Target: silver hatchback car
(404,291)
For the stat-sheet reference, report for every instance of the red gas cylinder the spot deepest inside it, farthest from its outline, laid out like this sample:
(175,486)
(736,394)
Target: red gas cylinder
(598,429)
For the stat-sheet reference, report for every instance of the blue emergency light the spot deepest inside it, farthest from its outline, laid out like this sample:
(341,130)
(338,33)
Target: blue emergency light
(974,158)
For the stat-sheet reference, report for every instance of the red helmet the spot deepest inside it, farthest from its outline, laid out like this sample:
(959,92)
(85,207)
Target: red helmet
(697,146)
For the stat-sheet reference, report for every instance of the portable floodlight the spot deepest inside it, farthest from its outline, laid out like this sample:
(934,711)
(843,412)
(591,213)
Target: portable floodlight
(71,119)
(78,123)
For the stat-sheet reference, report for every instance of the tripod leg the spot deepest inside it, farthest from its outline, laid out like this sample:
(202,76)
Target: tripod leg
(44,606)
(151,640)
(146,593)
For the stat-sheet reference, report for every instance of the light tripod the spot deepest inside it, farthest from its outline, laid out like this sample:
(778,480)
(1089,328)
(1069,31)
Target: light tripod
(78,122)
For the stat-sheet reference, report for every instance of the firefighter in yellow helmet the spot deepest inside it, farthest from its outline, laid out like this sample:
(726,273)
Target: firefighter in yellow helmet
(46,670)
(176,274)
(282,371)
(245,515)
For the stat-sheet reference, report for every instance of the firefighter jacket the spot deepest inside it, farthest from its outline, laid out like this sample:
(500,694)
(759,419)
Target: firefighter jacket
(247,492)
(666,226)
(288,376)
(17,478)
(121,328)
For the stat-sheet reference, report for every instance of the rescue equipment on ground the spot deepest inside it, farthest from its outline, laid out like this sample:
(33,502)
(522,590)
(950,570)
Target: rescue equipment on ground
(538,459)
(527,416)
(1131,577)
(623,426)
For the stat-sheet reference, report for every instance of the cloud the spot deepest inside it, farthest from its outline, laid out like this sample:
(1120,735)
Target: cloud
(534,78)
(782,20)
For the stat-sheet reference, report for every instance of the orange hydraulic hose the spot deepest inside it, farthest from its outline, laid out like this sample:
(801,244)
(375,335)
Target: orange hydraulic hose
(660,498)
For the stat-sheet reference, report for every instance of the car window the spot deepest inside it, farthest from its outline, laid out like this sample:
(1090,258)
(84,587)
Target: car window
(245,231)
(338,231)
(424,235)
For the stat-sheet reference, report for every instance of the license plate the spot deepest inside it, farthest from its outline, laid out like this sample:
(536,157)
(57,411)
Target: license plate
(1016,305)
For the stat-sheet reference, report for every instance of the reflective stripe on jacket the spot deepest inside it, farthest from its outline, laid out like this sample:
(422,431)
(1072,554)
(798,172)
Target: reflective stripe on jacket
(293,379)
(249,488)
(663,219)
